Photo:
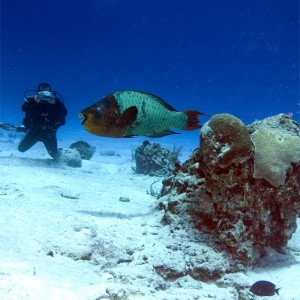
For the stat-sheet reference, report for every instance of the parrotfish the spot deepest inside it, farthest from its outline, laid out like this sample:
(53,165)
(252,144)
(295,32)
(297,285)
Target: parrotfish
(135,113)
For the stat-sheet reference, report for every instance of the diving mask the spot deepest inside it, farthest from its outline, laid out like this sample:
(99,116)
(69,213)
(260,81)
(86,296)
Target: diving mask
(46,96)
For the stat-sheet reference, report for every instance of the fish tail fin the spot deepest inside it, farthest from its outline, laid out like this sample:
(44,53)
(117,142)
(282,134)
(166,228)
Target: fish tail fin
(193,119)
(277,291)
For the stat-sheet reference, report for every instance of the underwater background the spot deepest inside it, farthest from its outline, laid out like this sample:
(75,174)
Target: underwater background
(238,57)
(146,218)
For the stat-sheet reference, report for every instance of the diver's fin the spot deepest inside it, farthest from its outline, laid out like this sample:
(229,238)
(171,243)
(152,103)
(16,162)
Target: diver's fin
(127,117)
(11,127)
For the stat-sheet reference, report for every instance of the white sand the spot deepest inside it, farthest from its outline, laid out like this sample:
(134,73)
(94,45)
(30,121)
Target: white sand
(65,234)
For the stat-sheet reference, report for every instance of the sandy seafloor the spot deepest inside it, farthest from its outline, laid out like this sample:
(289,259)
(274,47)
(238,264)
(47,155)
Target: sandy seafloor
(53,217)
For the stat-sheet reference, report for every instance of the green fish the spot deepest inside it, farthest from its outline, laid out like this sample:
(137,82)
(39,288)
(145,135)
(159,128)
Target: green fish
(134,113)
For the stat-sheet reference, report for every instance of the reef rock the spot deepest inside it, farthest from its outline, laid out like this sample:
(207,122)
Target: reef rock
(241,188)
(85,150)
(154,160)
(69,157)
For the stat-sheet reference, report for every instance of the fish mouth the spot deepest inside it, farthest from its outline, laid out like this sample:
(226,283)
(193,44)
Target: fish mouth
(83,118)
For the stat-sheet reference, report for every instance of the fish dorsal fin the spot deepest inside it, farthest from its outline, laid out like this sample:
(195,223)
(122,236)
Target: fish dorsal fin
(127,117)
(151,96)
(158,99)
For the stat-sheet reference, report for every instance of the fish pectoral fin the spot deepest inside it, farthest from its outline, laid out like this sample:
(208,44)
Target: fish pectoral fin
(127,117)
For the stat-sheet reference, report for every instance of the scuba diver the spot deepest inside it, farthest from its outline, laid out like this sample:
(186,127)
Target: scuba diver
(44,114)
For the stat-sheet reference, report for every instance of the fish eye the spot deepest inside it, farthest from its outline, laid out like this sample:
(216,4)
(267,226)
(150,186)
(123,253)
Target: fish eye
(99,110)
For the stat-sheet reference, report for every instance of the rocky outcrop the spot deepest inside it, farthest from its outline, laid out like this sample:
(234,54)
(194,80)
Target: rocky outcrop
(241,188)
(85,150)
(69,157)
(154,160)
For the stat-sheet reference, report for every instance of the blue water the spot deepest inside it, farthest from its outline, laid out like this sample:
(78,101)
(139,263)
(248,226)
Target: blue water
(239,57)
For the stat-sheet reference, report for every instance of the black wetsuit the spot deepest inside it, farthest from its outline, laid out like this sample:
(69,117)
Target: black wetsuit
(42,119)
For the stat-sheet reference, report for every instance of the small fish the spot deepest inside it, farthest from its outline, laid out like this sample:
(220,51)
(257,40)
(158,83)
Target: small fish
(264,288)
(134,113)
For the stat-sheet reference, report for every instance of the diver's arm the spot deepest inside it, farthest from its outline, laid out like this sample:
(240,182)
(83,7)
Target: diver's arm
(27,103)
(61,114)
